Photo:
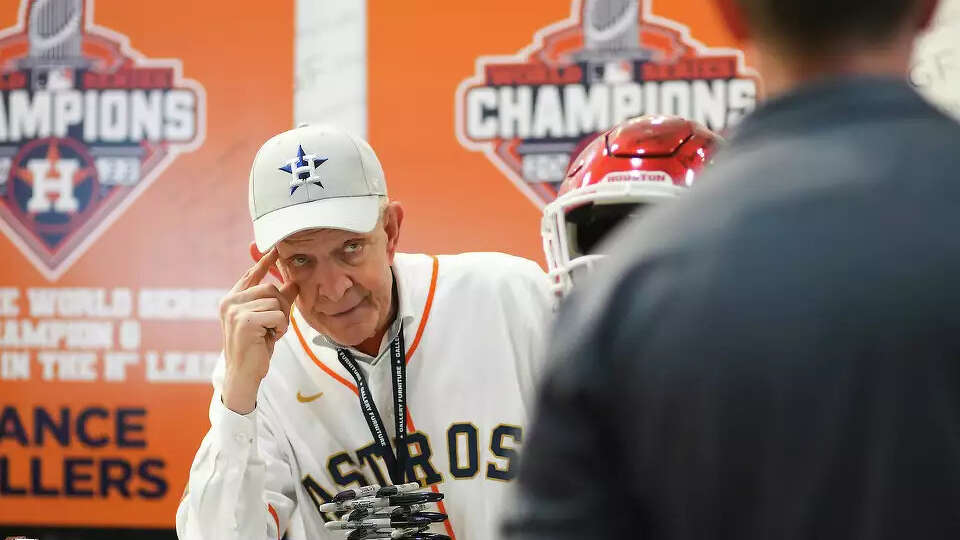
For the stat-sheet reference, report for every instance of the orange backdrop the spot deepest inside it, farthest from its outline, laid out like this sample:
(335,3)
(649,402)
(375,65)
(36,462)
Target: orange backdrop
(190,229)
(418,52)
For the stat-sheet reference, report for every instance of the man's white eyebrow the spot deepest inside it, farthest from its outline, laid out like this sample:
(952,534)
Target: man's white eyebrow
(297,240)
(310,235)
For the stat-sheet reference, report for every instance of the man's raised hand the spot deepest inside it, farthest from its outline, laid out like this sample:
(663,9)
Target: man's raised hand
(254,317)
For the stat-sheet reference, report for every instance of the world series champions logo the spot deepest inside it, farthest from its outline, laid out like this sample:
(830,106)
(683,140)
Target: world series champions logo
(86,124)
(532,112)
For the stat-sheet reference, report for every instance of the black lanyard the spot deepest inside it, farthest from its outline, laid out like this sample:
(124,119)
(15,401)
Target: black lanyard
(396,463)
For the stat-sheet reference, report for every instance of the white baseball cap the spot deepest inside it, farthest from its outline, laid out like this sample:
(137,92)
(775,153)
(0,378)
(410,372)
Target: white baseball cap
(314,177)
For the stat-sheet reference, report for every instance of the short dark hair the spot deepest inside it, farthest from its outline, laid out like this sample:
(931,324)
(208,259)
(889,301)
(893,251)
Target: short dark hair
(807,26)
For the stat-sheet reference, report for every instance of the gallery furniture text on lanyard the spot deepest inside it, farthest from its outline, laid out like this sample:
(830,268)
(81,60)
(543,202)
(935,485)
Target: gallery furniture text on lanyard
(396,462)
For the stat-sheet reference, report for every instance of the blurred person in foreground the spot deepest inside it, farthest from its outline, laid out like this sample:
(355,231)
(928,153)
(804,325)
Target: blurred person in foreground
(775,354)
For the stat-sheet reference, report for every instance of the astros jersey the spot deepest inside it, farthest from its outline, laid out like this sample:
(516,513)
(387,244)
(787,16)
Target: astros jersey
(473,326)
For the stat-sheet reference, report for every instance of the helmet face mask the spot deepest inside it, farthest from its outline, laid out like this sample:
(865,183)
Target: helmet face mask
(587,225)
(640,162)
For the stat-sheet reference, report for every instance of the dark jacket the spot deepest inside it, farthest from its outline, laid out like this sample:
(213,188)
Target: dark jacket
(777,354)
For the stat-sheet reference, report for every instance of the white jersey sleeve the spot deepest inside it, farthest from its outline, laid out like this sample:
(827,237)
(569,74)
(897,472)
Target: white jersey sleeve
(530,307)
(240,485)
(522,290)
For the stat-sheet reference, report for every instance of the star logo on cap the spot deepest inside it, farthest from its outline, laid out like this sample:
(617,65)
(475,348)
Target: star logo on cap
(304,169)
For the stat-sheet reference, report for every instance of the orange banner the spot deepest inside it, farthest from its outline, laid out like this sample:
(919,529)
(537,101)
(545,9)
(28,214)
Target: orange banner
(126,136)
(476,107)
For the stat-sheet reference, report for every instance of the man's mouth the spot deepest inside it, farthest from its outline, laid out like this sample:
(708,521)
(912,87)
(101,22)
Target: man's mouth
(347,311)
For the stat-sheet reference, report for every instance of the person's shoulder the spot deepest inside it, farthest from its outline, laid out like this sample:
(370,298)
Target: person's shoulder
(490,267)
(479,282)
(474,266)
(827,157)
(792,180)
(474,274)
(775,207)
(413,261)
(486,278)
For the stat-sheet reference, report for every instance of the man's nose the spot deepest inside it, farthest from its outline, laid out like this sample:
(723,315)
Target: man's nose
(332,282)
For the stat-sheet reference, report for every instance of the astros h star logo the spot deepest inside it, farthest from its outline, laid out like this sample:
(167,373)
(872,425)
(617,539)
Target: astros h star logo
(304,169)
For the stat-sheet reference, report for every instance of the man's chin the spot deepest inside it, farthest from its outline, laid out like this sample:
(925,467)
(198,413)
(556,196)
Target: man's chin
(351,337)
(350,340)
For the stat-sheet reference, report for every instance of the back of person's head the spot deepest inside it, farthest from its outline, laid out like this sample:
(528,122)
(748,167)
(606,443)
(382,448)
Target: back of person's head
(817,26)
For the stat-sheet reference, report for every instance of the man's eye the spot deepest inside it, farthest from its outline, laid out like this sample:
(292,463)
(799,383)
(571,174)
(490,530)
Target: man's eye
(299,260)
(352,248)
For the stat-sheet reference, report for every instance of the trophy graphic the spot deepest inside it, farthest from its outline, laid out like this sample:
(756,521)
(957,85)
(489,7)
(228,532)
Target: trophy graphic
(611,35)
(55,34)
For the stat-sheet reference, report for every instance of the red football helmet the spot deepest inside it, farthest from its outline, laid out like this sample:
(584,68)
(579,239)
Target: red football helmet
(638,162)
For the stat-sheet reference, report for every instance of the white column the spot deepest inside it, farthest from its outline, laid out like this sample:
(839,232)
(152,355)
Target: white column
(330,70)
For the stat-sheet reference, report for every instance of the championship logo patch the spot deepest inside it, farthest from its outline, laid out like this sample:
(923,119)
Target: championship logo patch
(86,124)
(611,60)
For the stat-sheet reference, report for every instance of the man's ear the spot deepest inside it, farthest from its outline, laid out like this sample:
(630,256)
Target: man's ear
(392,220)
(734,19)
(256,256)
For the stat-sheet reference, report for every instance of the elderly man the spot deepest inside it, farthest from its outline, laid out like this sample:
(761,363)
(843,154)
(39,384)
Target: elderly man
(775,355)
(366,365)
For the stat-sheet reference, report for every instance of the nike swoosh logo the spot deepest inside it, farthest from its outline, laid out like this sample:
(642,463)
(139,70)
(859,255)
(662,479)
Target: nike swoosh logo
(307,399)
